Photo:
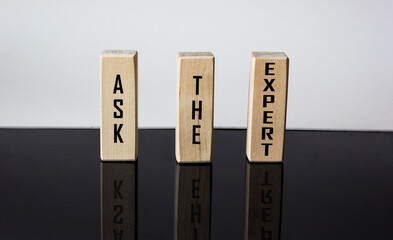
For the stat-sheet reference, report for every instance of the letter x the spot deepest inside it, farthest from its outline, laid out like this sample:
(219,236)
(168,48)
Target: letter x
(269,85)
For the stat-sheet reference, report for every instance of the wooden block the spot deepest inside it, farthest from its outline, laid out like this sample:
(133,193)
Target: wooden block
(263,201)
(193,202)
(267,103)
(119,105)
(195,89)
(118,200)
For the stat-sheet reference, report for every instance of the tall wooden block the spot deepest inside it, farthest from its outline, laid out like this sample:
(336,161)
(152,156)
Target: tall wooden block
(119,105)
(263,201)
(195,103)
(118,200)
(267,103)
(193,201)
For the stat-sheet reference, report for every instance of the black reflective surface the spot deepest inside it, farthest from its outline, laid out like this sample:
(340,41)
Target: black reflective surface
(119,200)
(263,200)
(193,201)
(335,185)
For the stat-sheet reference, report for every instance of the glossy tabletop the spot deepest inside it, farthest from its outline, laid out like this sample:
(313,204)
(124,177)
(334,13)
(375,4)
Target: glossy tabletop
(332,185)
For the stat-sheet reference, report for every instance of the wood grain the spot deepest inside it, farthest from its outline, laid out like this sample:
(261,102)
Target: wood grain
(195,107)
(119,105)
(267,104)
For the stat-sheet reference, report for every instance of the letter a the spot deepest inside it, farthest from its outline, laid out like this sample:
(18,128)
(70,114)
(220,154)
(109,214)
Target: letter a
(118,85)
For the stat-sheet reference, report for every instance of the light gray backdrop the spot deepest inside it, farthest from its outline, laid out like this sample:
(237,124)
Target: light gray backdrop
(341,58)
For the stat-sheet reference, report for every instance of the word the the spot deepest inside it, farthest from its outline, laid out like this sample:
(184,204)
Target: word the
(195,109)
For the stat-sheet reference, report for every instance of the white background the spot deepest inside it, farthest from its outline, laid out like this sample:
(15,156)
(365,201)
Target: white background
(341,58)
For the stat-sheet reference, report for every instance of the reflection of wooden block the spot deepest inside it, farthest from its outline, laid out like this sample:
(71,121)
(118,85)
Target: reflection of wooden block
(118,200)
(195,89)
(193,202)
(267,103)
(119,105)
(263,201)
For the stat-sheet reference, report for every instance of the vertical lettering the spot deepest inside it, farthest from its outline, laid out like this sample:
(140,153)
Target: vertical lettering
(265,101)
(118,219)
(268,68)
(266,197)
(117,186)
(117,133)
(266,212)
(266,234)
(269,85)
(266,182)
(266,117)
(199,110)
(118,85)
(195,212)
(120,102)
(267,132)
(266,148)
(195,188)
(195,134)
(197,84)
(118,235)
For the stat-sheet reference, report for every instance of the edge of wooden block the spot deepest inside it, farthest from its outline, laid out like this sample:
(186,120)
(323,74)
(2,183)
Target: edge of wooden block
(193,162)
(254,57)
(119,160)
(250,102)
(269,55)
(121,53)
(180,57)
(118,53)
(195,55)
(262,161)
